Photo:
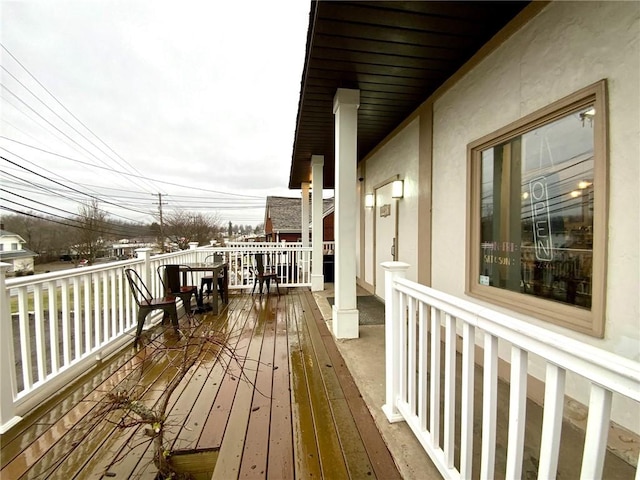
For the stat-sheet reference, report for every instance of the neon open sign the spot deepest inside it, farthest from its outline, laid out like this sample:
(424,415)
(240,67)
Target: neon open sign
(541,219)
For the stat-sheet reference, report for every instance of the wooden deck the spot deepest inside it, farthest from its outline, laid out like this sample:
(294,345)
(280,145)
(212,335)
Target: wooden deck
(283,406)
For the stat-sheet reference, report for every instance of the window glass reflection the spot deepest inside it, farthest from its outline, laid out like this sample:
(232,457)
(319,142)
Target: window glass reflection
(537,211)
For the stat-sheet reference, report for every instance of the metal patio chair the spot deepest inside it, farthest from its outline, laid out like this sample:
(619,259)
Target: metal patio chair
(262,275)
(170,279)
(147,303)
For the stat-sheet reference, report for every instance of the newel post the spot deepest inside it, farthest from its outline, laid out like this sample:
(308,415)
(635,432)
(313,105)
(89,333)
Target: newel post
(193,246)
(145,274)
(8,417)
(392,319)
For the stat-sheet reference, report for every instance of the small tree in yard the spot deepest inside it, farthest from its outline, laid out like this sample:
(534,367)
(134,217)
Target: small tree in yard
(92,222)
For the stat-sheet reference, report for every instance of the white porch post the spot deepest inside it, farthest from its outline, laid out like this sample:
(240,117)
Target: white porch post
(145,254)
(317,229)
(392,347)
(304,230)
(345,312)
(8,417)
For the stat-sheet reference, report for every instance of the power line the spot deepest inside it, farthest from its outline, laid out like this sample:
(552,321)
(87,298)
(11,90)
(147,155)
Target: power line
(191,187)
(122,232)
(66,110)
(64,134)
(70,188)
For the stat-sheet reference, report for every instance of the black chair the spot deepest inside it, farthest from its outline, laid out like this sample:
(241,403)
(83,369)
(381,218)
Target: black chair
(262,275)
(207,280)
(147,303)
(170,279)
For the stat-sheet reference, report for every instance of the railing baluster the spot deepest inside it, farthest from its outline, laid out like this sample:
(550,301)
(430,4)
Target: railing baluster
(77,312)
(403,347)
(423,365)
(551,421)
(595,441)
(103,282)
(467,401)
(114,305)
(97,310)
(517,412)
(25,339)
(88,320)
(121,311)
(434,420)
(449,390)
(54,337)
(489,406)
(66,322)
(411,355)
(41,344)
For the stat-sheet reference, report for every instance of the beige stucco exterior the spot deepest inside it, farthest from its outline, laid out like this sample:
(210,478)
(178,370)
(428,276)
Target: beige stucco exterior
(566,47)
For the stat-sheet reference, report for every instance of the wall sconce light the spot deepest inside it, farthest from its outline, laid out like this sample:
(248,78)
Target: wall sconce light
(369,200)
(397,189)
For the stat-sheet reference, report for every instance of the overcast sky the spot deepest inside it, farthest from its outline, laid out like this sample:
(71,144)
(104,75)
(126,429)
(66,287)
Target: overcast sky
(184,98)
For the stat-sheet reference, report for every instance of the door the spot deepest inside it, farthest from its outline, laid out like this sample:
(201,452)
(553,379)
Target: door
(385,228)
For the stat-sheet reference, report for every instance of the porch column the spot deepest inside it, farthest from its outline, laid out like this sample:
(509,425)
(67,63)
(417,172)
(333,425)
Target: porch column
(8,417)
(305,214)
(304,230)
(345,312)
(317,229)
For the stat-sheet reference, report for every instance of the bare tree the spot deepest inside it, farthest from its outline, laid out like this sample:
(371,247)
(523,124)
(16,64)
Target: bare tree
(92,222)
(182,227)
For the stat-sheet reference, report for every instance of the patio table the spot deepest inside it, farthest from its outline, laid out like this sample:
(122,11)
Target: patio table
(216,268)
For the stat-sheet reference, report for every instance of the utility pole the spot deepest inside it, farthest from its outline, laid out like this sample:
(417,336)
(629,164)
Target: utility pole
(161,222)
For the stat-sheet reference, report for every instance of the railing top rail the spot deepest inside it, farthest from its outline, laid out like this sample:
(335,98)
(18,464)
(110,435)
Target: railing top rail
(258,247)
(614,372)
(71,272)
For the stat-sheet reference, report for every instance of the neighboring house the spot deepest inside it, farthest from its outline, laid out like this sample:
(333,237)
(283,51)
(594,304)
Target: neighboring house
(283,219)
(126,248)
(517,148)
(13,252)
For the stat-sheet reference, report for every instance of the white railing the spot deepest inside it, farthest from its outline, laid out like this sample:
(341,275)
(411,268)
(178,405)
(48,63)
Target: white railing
(428,332)
(290,261)
(329,247)
(55,326)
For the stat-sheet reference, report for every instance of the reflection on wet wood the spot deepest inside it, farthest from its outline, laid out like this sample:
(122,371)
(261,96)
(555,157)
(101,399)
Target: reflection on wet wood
(284,410)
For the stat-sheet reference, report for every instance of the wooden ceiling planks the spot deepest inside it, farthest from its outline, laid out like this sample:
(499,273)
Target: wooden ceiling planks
(396,53)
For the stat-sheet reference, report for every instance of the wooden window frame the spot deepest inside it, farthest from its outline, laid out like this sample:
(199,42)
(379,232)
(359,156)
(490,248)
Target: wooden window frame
(591,321)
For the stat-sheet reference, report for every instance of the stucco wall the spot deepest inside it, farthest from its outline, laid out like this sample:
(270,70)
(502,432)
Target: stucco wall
(568,46)
(399,156)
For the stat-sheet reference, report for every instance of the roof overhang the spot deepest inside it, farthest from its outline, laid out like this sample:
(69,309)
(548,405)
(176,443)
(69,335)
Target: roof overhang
(396,53)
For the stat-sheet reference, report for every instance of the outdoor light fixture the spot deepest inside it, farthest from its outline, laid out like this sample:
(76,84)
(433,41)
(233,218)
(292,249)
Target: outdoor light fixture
(368,200)
(397,189)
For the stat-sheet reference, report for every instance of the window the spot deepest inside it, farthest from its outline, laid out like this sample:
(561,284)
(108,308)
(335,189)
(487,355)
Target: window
(537,239)
(14,246)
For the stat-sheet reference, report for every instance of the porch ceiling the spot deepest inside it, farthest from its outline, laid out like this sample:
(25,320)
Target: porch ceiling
(396,53)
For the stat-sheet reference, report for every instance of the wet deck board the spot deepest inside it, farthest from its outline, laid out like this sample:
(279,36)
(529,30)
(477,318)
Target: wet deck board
(283,412)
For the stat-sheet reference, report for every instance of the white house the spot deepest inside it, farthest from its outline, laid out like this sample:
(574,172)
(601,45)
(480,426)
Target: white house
(517,159)
(13,252)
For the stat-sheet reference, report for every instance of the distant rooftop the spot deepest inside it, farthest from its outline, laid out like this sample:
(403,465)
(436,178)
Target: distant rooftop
(286,212)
